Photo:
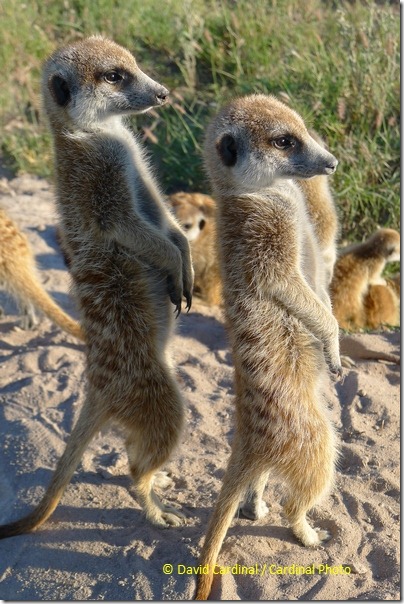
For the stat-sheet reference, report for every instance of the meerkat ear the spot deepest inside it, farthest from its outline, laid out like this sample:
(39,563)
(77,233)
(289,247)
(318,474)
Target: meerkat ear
(60,90)
(226,147)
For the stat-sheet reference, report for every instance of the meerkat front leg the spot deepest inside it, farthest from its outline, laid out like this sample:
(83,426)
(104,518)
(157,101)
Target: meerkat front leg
(154,248)
(304,304)
(179,239)
(152,199)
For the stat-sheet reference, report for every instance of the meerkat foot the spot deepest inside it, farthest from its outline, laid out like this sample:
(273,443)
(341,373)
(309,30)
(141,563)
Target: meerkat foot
(254,510)
(28,320)
(308,536)
(166,517)
(162,480)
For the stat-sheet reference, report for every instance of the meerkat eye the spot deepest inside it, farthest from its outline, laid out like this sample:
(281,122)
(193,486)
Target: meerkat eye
(187,226)
(112,77)
(202,223)
(283,142)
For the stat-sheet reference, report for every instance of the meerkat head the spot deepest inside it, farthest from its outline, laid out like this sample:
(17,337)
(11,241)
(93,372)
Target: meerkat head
(384,243)
(257,139)
(94,79)
(193,211)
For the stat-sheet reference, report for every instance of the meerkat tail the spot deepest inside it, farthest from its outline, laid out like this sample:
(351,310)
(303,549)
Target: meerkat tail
(357,350)
(226,507)
(80,437)
(41,299)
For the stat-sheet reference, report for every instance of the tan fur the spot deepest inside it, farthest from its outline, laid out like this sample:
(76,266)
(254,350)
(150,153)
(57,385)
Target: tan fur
(356,302)
(196,214)
(128,258)
(394,283)
(323,215)
(381,306)
(18,276)
(278,315)
(191,208)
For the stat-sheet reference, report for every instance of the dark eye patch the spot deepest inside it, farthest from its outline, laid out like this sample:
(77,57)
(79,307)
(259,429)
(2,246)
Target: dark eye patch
(113,76)
(284,142)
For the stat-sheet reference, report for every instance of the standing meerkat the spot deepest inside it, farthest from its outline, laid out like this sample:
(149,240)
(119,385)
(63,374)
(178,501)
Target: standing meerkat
(18,276)
(323,214)
(196,214)
(282,332)
(196,211)
(129,259)
(358,268)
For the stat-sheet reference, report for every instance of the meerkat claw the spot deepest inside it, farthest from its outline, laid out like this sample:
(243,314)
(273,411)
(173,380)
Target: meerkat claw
(189,302)
(336,371)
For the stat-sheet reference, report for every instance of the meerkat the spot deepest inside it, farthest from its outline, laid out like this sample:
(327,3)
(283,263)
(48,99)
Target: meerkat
(18,276)
(281,329)
(358,268)
(129,262)
(381,306)
(323,214)
(196,214)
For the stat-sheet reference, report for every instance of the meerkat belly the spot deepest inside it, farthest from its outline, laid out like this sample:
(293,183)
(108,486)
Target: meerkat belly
(123,305)
(271,347)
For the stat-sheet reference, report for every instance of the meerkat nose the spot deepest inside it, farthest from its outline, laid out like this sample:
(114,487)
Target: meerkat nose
(331,166)
(162,94)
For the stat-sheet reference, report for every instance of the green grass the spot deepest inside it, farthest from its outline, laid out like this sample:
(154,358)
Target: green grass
(335,63)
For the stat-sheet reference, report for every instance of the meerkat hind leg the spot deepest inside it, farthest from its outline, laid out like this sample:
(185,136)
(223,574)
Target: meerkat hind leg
(28,318)
(309,537)
(144,476)
(253,506)
(156,512)
(306,490)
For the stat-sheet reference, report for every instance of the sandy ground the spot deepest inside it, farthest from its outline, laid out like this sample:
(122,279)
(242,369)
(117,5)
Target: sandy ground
(98,546)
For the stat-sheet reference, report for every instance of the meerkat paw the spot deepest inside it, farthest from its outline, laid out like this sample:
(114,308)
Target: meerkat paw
(173,517)
(166,517)
(310,537)
(188,286)
(28,319)
(174,289)
(334,365)
(323,534)
(254,510)
(162,480)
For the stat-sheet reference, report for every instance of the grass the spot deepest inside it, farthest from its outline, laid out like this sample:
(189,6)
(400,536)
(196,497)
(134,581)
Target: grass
(335,63)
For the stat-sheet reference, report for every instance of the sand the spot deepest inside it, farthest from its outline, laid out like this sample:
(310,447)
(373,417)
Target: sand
(98,546)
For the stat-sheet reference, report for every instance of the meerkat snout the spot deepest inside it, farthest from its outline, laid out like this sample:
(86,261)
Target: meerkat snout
(162,95)
(331,166)
(324,163)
